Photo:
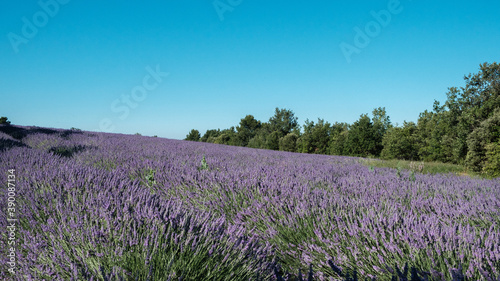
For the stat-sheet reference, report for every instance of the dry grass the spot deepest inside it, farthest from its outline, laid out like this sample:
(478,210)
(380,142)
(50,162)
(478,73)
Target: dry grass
(420,167)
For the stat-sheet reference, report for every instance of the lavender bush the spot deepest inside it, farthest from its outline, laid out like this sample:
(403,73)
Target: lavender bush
(95,206)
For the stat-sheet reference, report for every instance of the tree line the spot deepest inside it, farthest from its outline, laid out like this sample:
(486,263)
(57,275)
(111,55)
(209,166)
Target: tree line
(464,130)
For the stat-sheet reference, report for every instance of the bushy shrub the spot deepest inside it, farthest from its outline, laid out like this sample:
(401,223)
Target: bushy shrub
(67,151)
(492,164)
(272,141)
(194,135)
(288,142)
(400,143)
(259,141)
(3,120)
(486,135)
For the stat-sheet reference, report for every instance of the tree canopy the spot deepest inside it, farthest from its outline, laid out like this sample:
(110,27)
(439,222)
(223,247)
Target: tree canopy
(465,129)
(4,120)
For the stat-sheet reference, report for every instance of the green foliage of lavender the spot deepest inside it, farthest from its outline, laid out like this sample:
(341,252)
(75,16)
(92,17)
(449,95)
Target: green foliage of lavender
(149,209)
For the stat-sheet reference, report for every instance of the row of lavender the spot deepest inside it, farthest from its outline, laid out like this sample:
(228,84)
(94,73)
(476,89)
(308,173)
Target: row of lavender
(139,206)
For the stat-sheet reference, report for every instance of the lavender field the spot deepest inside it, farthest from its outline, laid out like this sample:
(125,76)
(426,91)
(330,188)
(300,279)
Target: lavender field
(95,206)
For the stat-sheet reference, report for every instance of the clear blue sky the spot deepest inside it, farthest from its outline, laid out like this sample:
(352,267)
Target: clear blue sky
(77,61)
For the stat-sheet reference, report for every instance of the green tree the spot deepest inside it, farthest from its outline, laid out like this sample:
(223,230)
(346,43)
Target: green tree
(444,134)
(304,143)
(401,142)
(469,106)
(381,119)
(492,163)
(210,135)
(4,120)
(337,145)
(316,137)
(431,129)
(381,123)
(194,135)
(227,136)
(481,141)
(247,129)
(288,142)
(259,141)
(260,138)
(272,140)
(362,139)
(284,122)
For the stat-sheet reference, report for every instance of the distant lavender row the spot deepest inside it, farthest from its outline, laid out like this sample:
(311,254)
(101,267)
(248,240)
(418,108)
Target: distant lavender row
(110,203)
